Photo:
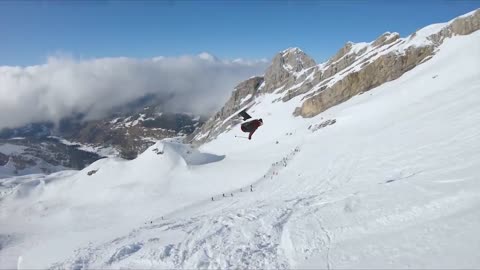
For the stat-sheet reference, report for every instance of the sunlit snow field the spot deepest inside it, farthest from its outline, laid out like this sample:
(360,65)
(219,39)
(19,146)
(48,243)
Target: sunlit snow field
(394,183)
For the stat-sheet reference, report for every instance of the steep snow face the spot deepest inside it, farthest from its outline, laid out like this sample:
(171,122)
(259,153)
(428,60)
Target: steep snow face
(391,183)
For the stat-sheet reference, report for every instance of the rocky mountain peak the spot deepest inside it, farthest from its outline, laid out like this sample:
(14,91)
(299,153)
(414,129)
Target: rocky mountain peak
(354,69)
(387,58)
(462,25)
(244,93)
(342,52)
(293,59)
(284,66)
(386,38)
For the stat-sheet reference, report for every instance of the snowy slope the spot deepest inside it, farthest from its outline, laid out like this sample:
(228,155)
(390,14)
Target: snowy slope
(356,68)
(393,183)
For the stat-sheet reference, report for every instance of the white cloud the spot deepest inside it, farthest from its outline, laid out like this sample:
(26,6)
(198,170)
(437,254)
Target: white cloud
(64,86)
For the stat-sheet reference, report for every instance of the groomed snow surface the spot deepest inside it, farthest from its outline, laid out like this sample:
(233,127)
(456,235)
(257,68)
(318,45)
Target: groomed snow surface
(394,183)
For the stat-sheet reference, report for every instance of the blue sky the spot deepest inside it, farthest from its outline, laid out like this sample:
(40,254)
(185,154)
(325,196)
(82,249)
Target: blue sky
(32,30)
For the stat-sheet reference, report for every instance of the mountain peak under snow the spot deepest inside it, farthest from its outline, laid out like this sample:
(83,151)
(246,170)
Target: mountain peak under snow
(294,73)
(294,50)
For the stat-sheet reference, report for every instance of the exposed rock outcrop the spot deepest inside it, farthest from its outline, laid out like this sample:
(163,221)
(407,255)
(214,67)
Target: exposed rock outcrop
(3,159)
(284,67)
(386,67)
(288,67)
(40,155)
(385,39)
(383,69)
(355,68)
(243,94)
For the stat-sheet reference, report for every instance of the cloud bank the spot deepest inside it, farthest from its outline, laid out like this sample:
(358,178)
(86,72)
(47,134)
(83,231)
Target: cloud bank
(64,86)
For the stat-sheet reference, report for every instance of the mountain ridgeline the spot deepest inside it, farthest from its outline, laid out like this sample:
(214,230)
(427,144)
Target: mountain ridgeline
(354,69)
(75,144)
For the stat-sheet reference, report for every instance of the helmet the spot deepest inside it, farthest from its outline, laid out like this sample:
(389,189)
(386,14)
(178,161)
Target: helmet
(261,121)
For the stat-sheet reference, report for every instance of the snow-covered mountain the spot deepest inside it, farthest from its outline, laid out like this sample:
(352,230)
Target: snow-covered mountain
(75,143)
(335,178)
(130,133)
(354,69)
(22,156)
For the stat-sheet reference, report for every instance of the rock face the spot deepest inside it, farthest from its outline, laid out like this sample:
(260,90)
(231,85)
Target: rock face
(284,67)
(243,95)
(3,159)
(388,66)
(383,69)
(74,144)
(131,134)
(354,69)
(287,67)
(40,155)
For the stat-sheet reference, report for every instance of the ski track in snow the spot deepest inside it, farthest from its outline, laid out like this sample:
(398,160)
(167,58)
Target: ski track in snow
(202,236)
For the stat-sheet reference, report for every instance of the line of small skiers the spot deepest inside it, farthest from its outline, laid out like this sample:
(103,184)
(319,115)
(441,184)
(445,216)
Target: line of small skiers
(231,194)
(283,162)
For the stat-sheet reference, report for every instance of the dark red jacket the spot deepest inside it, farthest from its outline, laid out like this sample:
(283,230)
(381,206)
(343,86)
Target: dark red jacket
(251,127)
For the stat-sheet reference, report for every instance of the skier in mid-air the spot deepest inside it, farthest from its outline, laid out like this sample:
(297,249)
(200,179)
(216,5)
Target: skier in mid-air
(250,126)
